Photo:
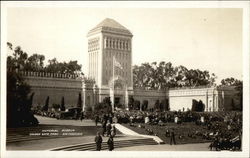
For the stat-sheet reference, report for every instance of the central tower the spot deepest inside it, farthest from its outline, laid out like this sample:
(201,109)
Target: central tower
(109,44)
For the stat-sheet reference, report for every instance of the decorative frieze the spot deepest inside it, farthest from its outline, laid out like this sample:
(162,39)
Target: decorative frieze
(49,75)
(116,43)
(93,44)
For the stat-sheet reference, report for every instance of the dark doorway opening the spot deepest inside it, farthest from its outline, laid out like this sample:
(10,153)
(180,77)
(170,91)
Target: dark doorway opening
(117,100)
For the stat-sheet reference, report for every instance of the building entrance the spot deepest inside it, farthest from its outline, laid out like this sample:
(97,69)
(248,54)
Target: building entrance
(117,100)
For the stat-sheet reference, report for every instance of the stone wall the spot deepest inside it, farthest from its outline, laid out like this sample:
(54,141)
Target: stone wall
(55,86)
(180,99)
(150,95)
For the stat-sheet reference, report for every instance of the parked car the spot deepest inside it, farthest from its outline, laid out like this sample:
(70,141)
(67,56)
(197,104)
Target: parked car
(71,113)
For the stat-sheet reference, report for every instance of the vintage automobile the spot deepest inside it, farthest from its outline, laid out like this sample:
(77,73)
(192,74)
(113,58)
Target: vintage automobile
(71,113)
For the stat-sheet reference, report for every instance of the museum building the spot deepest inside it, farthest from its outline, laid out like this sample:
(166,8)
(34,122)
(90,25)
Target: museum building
(110,75)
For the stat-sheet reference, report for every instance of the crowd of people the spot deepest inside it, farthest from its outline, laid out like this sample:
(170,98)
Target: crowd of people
(223,129)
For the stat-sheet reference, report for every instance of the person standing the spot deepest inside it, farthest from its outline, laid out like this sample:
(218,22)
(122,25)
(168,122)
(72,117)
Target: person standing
(96,120)
(109,129)
(110,118)
(172,137)
(98,141)
(103,128)
(110,143)
(113,131)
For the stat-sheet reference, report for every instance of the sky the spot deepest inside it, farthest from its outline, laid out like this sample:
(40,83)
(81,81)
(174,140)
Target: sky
(205,39)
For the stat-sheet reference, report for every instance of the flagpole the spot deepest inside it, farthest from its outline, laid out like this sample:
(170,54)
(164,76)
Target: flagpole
(113,97)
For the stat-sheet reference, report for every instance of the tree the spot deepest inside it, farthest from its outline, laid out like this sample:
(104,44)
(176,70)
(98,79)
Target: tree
(198,106)
(167,105)
(35,63)
(238,84)
(194,105)
(62,107)
(79,102)
(46,105)
(164,75)
(230,82)
(30,100)
(18,101)
(71,67)
(201,106)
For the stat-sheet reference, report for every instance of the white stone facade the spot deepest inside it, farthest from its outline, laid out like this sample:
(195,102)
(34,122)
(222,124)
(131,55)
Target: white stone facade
(109,40)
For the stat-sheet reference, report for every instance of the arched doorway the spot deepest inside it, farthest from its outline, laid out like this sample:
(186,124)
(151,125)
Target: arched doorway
(118,91)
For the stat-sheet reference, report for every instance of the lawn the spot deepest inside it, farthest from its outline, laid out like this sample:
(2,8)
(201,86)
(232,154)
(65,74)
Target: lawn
(180,130)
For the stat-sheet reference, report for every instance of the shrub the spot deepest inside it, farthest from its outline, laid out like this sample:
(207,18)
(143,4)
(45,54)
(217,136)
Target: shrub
(144,105)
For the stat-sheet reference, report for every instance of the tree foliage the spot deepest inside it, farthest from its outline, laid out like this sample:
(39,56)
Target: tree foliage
(238,84)
(19,101)
(198,106)
(231,82)
(165,75)
(71,67)
(35,62)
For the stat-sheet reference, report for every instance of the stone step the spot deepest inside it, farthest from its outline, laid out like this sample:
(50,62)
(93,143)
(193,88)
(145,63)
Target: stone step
(117,144)
(21,138)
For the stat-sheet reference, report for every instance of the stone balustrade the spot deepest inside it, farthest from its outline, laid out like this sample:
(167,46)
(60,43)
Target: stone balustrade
(49,75)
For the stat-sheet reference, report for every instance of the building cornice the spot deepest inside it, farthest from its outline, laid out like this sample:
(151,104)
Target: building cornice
(109,30)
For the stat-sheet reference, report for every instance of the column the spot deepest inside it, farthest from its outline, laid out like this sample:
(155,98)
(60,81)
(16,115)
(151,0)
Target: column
(206,108)
(112,97)
(126,98)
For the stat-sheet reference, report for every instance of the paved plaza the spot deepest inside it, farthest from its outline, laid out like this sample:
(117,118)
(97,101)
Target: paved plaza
(49,143)
(167,147)
(53,121)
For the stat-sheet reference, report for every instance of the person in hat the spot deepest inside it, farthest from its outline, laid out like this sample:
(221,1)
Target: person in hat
(172,137)
(98,141)
(110,143)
